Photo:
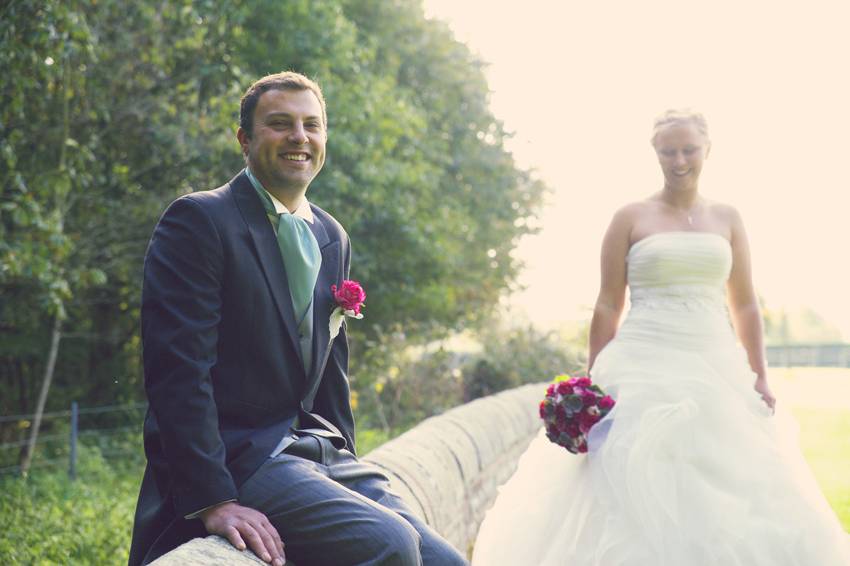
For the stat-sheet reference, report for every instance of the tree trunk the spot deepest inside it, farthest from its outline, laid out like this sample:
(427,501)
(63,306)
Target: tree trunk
(56,337)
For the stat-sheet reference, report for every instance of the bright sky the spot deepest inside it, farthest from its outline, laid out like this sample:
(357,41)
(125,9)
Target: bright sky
(580,83)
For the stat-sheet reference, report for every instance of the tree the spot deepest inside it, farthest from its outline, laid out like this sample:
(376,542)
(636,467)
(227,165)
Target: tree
(117,107)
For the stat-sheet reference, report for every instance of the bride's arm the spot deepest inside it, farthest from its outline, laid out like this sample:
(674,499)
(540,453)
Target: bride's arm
(612,288)
(744,307)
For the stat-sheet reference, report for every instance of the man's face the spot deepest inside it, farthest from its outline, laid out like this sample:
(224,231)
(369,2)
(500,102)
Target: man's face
(287,147)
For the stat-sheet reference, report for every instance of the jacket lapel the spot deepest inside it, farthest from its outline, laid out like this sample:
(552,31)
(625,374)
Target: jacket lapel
(323,304)
(268,252)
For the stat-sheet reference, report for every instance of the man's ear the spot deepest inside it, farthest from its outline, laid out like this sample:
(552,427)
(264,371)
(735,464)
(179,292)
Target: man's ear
(244,140)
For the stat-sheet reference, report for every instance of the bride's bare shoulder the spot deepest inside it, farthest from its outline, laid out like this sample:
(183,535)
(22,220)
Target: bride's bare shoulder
(724,212)
(633,210)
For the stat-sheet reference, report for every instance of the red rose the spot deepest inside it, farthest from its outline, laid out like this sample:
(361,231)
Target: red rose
(573,430)
(564,388)
(550,391)
(585,421)
(583,381)
(582,448)
(542,409)
(350,296)
(606,402)
(588,398)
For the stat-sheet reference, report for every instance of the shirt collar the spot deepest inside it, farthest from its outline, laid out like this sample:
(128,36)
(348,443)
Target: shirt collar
(303,211)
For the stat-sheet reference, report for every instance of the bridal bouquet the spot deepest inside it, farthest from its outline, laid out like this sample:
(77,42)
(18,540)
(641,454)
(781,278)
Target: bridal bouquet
(572,405)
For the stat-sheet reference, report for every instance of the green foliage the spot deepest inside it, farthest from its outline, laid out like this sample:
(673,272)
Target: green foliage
(409,383)
(369,438)
(405,384)
(516,356)
(118,106)
(49,519)
(798,326)
(824,434)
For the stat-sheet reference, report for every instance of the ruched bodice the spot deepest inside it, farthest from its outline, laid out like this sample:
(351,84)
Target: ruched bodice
(679,271)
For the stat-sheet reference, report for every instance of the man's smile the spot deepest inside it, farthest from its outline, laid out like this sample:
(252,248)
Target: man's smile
(295,156)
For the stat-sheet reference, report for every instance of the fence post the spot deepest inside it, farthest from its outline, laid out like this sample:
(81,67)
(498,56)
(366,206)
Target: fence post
(72,465)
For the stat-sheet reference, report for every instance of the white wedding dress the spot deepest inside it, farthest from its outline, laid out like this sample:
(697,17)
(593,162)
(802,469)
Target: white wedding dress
(689,468)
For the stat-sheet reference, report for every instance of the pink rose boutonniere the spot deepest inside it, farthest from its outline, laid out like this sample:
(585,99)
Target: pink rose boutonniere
(349,300)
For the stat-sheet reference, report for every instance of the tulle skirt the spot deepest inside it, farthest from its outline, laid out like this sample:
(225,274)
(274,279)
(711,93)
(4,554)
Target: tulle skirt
(689,468)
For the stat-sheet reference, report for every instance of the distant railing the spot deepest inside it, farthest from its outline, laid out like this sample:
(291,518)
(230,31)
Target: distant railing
(819,355)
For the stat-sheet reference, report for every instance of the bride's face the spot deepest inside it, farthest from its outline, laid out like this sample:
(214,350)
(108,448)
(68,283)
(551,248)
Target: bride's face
(681,150)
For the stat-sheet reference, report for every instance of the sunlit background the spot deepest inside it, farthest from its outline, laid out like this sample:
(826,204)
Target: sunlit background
(580,82)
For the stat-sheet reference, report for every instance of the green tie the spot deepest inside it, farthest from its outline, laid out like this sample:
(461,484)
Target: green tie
(302,260)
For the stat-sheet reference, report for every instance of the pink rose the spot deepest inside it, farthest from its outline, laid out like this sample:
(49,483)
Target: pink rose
(564,388)
(588,398)
(583,381)
(606,402)
(550,391)
(350,296)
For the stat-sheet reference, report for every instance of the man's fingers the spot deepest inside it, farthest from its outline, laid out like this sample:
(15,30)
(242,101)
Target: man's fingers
(259,542)
(268,540)
(274,534)
(232,534)
(278,557)
(246,528)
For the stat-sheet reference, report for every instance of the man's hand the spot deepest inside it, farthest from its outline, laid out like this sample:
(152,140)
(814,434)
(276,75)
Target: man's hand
(239,524)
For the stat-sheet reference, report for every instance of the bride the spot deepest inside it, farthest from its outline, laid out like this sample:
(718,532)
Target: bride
(695,465)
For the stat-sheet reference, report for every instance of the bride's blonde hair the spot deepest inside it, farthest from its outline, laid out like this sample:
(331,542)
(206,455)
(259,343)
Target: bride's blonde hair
(679,116)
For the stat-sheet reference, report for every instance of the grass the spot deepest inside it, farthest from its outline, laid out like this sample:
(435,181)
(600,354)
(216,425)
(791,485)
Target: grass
(825,439)
(50,520)
(819,399)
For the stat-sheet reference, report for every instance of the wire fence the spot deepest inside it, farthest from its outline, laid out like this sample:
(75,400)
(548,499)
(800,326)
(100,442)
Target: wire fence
(70,436)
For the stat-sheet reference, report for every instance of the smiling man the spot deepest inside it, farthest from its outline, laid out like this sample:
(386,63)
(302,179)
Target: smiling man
(250,433)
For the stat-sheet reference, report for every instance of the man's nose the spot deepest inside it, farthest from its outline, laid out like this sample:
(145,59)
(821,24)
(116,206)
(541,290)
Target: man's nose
(298,134)
(679,158)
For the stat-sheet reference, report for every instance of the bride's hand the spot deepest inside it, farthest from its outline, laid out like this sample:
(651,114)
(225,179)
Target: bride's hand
(763,389)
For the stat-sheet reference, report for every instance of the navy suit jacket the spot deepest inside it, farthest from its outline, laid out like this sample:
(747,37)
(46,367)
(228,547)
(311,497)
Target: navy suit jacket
(223,370)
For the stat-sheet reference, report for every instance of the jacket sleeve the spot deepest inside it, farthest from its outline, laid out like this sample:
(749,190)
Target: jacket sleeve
(181,310)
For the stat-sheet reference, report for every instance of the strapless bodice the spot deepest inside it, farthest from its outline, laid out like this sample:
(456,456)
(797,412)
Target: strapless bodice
(679,271)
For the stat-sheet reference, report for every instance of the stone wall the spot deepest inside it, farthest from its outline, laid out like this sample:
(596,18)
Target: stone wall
(447,469)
